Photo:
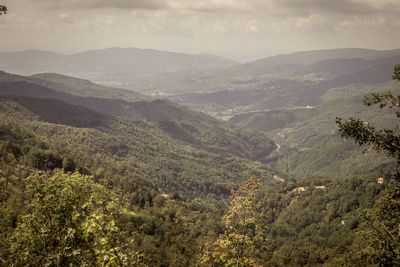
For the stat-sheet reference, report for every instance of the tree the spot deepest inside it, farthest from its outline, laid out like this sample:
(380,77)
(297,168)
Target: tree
(378,243)
(70,221)
(3,9)
(244,230)
(363,133)
(68,165)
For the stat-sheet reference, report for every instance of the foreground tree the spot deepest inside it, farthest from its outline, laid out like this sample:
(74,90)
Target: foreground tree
(363,133)
(379,242)
(244,230)
(70,221)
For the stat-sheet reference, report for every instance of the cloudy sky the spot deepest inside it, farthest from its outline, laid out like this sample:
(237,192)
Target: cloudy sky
(238,29)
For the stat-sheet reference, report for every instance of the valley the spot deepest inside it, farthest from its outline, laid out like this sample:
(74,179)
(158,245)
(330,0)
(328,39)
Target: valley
(159,161)
(212,133)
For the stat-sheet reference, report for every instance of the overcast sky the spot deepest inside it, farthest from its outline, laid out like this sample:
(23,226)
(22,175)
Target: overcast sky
(238,29)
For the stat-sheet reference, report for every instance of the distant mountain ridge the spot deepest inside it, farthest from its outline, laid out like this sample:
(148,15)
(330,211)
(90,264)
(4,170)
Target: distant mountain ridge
(34,61)
(211,84)
(278,82)
(295,60)
(131,68)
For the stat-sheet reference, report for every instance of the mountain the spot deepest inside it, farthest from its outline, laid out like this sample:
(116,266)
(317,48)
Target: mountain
(111,176)
(212,84)
(294,80)
(149,176)
(142,70)
(58,112)
(190,164)
(179,122)
(74,86)
(158,196)
(285,62)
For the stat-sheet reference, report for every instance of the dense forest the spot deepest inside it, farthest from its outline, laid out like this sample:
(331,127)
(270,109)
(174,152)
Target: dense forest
(107,177)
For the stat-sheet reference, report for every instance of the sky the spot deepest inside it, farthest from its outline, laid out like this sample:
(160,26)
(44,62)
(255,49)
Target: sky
(242,30)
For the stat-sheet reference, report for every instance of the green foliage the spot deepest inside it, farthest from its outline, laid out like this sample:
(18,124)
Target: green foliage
(69,221)
(55,111)
(309,141)
(52,233)
(161,228)
(364,133)
(314,221)
(396,72)
(56,99)
(68,165)
(171,196)
(380,243)
(334,157)
(45,160)
(3,9)
(244,231)
(156,192)
(150,152)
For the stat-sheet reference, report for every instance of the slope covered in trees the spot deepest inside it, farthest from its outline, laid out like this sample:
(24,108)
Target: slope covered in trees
(160,218)
(109,218)
(164,169)
(179,122)
(163,194)
(310,143)
(150,186)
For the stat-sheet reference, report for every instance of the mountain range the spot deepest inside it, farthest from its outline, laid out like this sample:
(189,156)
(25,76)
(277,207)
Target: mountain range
(212,84)
(293,98)
(142,70)
(289,81)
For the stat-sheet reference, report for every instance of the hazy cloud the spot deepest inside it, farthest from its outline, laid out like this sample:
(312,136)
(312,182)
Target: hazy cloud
(268,7)
(336,6)
(285,7)
(225,27)
(120,4)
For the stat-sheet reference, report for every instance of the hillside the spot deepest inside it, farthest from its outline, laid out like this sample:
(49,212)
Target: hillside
(285,62)
(310,143)
(160,175)
(164,200)
(271,84)
(37,159)
(178,121)
(74,86)
(138,143)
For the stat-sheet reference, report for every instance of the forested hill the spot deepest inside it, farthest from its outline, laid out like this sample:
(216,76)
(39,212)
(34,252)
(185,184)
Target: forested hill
(153,196)
(130,181)
(161,170)
(179,122)
(74,86)
(310,143)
